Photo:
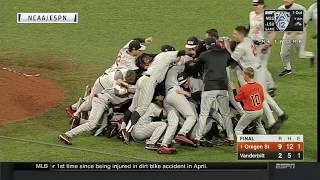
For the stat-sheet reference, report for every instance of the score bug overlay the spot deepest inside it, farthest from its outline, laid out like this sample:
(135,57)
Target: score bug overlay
(283,20)
(270,147)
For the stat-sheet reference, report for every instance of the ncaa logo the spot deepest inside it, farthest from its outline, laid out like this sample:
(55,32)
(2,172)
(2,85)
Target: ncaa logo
(282,19)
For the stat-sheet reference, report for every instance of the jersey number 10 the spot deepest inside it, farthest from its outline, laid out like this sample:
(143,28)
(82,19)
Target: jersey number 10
(255,100)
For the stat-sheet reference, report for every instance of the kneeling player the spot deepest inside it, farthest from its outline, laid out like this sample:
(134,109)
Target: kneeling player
(252,96)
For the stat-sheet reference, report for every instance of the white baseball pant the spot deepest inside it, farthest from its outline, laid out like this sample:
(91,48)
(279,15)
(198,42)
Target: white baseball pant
(247,118)
(145,128)
(99,106)
(216,99)
(142,98)
(299,42)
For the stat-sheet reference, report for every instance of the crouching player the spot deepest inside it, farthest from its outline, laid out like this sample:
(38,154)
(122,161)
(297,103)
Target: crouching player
(123,91)
(149,130)
(252,96)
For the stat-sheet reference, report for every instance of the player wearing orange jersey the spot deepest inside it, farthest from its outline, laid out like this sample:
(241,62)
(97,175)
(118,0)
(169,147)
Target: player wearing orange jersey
(252,96)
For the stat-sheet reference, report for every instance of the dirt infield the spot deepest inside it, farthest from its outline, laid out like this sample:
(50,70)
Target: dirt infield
(23,95)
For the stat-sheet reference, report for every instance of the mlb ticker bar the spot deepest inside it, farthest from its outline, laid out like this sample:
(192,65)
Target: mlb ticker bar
(270,147)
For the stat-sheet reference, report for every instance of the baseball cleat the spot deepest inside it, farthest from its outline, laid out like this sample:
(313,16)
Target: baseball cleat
(111,130)
(217,142)
(285,72)
(275,127)
(196,143)
(272,92)
(166,150)
(312,62)
(151,147)
(65,139)
(75,122)
(181,139)
(229,142)
(283,117)
(314,36)
(206,143)
(70,111)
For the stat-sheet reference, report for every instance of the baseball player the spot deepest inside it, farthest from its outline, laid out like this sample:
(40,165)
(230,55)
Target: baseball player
(126,59)
(214,35)
(215,94)
(262,41)
(145,86)
(121,93)
(313,16)
(252,96)
(146,128)
(176,103)
(127,55)
(246,55)
(298,39)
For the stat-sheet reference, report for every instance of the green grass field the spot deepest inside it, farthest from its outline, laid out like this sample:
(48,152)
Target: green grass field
(76,54)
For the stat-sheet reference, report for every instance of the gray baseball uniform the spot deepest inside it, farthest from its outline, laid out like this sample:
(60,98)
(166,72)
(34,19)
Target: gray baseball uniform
(299,41)
(100,104)
(258,35)
(124,60)
(176,103)
(106,81)
(155,74)
(245,54)
(145,128)
(247,118)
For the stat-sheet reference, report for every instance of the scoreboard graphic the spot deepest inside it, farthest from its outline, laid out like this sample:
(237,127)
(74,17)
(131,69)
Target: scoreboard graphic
(283,20)
(270,147)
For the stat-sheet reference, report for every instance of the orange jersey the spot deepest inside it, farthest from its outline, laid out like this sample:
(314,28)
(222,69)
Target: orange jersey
(252,96)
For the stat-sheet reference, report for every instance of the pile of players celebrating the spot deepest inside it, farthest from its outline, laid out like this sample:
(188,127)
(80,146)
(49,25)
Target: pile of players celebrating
(183,96)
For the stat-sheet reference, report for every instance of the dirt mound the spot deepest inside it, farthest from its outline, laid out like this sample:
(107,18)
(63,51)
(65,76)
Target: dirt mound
(23,96)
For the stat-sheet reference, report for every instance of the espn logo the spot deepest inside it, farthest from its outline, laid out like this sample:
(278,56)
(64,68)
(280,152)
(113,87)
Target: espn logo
(40,18)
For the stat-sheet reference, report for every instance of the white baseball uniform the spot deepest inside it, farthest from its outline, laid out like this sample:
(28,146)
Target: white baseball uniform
(258,35)
(145,128)
(124,60)
(100,104)
(176,103)
(299,41)
(106,81)
(246,55)
(155,74)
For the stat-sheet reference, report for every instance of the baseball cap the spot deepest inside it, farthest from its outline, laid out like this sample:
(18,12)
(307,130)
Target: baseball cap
(182,78)
(136,45)
(167,47)
(192,42)
(209,41)
(257,1)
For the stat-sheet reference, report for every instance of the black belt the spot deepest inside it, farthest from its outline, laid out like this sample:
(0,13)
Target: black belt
(148,75)
(101,84)
(170,88)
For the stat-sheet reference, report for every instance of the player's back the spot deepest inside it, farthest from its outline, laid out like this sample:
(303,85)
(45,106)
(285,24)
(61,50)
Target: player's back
(171,80)
(253,96)
(249,56)
(159,66)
